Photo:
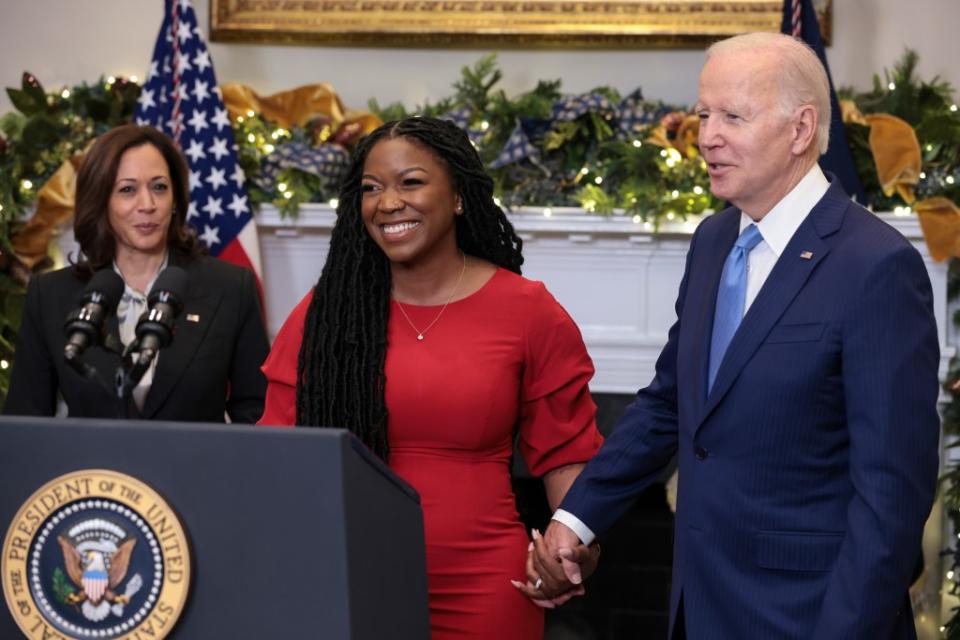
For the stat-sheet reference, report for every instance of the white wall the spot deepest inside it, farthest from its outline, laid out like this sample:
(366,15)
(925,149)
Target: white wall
(66,41)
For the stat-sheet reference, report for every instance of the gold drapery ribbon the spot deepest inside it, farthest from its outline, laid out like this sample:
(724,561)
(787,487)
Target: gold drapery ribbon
(940,222)
(685,140)
(896,152)
(55,202)
(895,149)
(299,106)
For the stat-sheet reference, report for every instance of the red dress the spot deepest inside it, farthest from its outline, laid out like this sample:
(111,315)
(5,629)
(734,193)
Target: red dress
(504,357)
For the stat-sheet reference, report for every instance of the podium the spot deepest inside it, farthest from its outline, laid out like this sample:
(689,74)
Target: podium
(298,533)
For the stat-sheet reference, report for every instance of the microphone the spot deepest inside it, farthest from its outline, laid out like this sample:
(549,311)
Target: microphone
(155,326)
(84,326)
(164,304)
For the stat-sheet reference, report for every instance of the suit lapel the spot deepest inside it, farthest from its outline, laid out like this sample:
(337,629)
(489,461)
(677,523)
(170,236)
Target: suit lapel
(782,285)
(199,308)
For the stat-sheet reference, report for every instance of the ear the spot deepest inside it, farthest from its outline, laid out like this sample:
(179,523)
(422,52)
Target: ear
(803,130)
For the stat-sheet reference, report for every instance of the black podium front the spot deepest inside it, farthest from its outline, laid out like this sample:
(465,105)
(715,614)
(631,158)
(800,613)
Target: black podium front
(293,533)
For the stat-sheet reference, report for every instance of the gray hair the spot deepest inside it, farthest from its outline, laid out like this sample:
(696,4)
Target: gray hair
(803,79)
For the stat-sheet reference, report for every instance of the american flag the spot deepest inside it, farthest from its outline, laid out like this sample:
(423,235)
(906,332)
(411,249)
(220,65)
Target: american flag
(181,98)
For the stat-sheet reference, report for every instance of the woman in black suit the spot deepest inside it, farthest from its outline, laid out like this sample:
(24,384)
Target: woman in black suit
(131,207)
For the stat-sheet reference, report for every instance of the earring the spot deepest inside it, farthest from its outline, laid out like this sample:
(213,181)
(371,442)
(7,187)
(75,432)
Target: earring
(459,209)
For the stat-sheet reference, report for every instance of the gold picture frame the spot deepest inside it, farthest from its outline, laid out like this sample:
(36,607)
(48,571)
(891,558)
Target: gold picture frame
(503,23)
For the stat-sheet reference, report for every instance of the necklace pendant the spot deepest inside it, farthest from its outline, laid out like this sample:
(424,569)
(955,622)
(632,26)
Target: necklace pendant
(420,337)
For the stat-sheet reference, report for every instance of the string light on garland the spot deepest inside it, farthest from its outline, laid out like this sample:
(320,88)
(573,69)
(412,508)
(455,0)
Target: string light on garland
(334,202)
(637,144)
(892,86)
(547,212)
(4,364)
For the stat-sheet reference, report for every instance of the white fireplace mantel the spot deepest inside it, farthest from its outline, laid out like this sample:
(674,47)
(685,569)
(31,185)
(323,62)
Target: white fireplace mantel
(615,276)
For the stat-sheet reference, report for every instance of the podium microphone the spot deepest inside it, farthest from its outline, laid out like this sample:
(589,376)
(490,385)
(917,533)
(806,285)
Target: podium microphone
(84,326)
(155,326)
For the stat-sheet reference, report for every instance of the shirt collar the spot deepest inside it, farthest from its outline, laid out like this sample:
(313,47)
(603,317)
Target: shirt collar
(129,291)
(781,222)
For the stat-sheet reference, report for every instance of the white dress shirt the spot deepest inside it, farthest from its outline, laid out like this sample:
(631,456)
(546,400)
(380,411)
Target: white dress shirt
(776,228)
(131,306)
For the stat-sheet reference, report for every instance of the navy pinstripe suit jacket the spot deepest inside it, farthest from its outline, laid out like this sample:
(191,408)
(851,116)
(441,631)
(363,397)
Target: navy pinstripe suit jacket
(808,471)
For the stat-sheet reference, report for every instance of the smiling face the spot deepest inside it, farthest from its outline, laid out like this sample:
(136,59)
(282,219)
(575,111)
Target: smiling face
(409,202)
(141,202)
(752,153)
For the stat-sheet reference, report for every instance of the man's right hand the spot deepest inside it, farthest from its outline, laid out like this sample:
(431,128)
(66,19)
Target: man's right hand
(557,564)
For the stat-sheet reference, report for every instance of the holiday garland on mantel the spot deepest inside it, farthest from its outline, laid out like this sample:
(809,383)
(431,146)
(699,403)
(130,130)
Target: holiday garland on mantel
(600,151)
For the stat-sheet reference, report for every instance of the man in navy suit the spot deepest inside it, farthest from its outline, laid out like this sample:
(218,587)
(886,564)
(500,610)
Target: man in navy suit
(798,387)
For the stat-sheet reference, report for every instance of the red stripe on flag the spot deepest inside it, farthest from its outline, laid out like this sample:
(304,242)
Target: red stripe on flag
(234,253)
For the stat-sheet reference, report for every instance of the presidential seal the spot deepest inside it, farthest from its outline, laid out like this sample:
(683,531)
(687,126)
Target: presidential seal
(95,554)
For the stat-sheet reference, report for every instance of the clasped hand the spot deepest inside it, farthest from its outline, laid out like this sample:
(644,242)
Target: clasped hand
(557,564)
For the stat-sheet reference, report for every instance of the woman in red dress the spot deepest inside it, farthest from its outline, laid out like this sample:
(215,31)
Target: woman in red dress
(422,338)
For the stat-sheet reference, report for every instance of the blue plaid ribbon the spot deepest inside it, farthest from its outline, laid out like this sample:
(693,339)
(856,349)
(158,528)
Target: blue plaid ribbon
(328,161)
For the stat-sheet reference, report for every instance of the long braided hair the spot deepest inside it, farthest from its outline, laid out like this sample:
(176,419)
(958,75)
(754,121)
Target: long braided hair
(340,374)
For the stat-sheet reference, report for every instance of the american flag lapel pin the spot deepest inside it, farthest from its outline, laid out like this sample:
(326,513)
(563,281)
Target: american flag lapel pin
(192,317)
(806,255)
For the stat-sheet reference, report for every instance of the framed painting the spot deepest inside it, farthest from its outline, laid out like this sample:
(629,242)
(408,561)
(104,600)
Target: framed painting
(501,23)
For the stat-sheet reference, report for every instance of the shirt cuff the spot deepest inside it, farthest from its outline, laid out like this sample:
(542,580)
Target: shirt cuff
(583,531)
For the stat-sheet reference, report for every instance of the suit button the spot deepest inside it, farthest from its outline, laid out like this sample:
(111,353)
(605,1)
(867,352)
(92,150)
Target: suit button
(701,453)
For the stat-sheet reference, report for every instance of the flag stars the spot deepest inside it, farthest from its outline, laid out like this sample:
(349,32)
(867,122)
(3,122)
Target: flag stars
(239,205)
(184,32)
(182,93)
(198,121)
(221,119)
(210,235)
(154,71)
(216,178)
(214,207)
(195,180)
(202,61)
(219,148)
(195,152)
(200,90)
(238,176)
(192,211)
(146,99)
(183,64)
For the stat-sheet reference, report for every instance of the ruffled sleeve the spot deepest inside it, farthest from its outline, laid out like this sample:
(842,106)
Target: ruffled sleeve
(280,369)
(557,414)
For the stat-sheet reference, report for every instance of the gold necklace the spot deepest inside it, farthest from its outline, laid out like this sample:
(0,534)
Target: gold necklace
(420,333)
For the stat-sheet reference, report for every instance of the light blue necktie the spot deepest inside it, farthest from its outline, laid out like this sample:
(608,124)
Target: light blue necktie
(731,298)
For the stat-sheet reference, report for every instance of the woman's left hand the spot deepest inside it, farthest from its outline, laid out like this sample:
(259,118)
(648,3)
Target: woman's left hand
(550,585)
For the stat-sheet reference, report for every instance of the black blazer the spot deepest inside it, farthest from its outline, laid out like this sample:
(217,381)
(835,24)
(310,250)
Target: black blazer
(212,365)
